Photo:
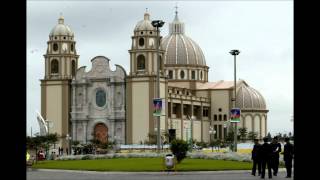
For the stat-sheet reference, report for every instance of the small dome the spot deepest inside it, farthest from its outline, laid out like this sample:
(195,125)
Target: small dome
(61,29)
(249,98)
(179,48)
(145,24)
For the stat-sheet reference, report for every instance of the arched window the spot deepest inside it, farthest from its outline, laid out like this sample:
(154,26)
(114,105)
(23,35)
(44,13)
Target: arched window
(225,117)
(71,47)
(193,74)
(73,67)
(220,117)
(141,62)
(170,74)
(141,42)
(182,74)
(215,117)
(55,47)
(54,66)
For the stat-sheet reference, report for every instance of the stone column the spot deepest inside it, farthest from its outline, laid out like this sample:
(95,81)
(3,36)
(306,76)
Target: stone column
(84,95)
(171,109)
(73,97)
(84,127)
(191,125)
(201,120)
(74,130)
(181,112)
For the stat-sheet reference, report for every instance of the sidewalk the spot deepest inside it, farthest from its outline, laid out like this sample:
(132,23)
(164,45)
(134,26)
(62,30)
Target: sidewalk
(155,173)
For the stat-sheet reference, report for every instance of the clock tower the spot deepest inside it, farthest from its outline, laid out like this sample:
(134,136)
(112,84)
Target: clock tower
(61,62)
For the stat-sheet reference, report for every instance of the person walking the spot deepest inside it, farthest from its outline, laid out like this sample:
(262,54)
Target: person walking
(276,149)
(255,156)
(266,155)
(288,156)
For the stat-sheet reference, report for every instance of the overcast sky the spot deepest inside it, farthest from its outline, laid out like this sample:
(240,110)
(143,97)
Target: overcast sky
(261,30)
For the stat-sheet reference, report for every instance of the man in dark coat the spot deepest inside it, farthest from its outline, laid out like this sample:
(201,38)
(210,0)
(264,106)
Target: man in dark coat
(288,156)
(266,155)
(256,157)
(276,149)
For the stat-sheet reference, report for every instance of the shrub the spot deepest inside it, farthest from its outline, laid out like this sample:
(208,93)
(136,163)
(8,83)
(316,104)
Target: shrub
(179,148)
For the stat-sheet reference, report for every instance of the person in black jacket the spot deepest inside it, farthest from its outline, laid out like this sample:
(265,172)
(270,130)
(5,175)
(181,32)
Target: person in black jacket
(266,155)
(256,157)
(288,156)
(276,149)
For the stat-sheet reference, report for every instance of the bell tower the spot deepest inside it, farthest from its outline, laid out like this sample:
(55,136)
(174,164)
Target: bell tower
(141,82)
(61,62)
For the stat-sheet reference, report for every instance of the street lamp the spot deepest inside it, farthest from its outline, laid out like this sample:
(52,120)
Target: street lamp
(68,138)
(158,24)
(235,52)
(211,131)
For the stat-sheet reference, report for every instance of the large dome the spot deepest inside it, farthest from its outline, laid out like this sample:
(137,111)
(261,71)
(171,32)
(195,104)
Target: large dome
(249,98)
(61,29)
(179,48)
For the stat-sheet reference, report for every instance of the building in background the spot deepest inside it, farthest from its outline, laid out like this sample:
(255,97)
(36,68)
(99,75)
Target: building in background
(115,105)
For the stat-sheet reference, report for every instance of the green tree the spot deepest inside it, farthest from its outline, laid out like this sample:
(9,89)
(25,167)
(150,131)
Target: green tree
(179,148)
(152,138)
(252,135)
(269,136)
(243,133)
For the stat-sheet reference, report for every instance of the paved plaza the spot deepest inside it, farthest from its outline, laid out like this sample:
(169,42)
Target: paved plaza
(93,175)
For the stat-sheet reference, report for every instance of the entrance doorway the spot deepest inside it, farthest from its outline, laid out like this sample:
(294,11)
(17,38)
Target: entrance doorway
(101,132)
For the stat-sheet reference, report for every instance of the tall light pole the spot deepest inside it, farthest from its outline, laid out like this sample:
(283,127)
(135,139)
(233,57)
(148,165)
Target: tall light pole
(68,138)
(158,24)
(235,52)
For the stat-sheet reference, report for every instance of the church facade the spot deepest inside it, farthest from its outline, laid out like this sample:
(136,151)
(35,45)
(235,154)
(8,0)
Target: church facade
(116,105)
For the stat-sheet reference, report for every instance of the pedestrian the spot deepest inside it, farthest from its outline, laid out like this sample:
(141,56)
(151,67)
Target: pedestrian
(67,151)
(276,149)
(62,151)
(288,156)
(59,151)
(266,155)
(255,156)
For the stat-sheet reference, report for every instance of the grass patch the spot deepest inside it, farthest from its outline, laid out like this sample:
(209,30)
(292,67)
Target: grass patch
(142,164)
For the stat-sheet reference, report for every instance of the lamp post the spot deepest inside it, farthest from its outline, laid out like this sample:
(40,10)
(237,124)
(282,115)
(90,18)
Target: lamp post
(68,138)
(211,131)
(235,52)
(158,24)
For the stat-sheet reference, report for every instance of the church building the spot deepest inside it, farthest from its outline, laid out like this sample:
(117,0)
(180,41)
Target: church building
(118,105)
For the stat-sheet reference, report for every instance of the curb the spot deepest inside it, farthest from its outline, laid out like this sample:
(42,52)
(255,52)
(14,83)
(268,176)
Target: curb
(154,173)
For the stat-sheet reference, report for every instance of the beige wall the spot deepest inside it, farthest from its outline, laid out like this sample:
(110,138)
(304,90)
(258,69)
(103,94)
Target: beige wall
(248,123)
(205,131)
(53,106)
(220,99)
(202,94)
(197,130)
(140,111)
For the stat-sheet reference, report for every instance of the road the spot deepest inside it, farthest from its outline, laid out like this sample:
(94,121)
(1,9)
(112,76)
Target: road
(93,175)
